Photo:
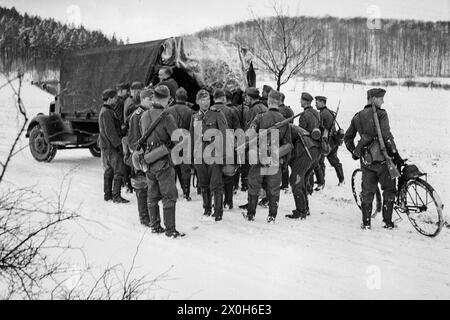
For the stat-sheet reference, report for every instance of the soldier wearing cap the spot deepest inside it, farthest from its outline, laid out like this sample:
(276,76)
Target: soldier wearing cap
(265,94)
(327,117)
(255,107)
(287,112)
(209,172)
(160,173)
(273,182)
(138,178)
(309,120)
(110,143)
(373,164)
(182,113)
(165,77)
(123,90)
(220,103)
(133,101)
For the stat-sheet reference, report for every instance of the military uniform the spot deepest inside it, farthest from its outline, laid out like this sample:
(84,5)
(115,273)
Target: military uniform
(301,167)
(160,174)
(328,123)
(310,120)
(272,182)
(110,144)
(376,171)
(287,112)
(182,114)
(209,176)
(232,123)
(138,179)
(242,113)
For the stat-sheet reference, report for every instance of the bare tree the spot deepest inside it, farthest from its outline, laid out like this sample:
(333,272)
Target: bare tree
(33,242)
(284,44)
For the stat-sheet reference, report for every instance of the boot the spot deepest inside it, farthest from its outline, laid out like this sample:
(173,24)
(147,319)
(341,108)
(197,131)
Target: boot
(366,209)
(228,201)
(116,186)
(155,219)
(169,219)
(218,206)
(339,173)
(388,206)
(263,203)
(107,188)
(273,208)
(174,234)
(298,212)
(141,196)
(251,207)
(206,195)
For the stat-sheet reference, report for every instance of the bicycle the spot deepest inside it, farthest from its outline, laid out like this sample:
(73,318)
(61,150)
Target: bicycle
(415,197)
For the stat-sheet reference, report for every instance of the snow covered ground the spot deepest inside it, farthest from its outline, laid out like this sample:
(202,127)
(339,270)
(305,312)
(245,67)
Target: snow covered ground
(326,256)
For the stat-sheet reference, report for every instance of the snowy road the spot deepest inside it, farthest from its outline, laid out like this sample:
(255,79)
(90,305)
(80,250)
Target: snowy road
(326,256)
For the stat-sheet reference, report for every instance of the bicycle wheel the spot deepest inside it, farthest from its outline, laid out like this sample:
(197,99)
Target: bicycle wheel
(356,189)
(423,207)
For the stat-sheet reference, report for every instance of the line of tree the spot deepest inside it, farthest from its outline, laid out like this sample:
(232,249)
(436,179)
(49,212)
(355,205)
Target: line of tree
(357,48)
(31,42)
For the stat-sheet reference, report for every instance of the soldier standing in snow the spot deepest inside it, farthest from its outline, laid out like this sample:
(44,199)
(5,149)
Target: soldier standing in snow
(327,118)
(182,113)
(209,174)
(373,163)
(273,182)
(138,178)
(232,123)
(309,120)
(287,112)
(110,144)
(160,173)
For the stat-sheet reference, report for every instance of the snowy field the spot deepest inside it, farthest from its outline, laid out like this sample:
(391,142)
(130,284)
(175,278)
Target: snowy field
(326,256)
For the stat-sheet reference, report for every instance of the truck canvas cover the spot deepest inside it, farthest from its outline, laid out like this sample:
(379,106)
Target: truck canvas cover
(197,63)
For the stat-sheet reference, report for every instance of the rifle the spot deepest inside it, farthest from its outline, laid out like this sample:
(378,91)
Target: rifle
(393,171)
(304,146)
(277,125)
(141,142)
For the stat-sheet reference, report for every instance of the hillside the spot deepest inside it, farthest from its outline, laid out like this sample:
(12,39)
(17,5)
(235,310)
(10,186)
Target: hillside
(353,49)
(33,43)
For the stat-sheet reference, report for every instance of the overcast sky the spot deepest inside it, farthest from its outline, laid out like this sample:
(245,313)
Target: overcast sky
(155,19)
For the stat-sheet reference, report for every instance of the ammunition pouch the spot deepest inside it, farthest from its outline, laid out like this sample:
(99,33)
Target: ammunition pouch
(372,153)
(337,137)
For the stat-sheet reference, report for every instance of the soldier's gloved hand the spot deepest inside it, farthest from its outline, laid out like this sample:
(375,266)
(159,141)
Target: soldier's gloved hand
(355,155)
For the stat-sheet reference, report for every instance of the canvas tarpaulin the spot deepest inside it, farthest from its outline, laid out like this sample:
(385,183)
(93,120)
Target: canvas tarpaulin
(207,62)
(85,74)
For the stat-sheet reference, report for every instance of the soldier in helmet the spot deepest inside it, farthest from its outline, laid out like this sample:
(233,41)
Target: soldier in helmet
(209,172)
(373,163)
(110,144)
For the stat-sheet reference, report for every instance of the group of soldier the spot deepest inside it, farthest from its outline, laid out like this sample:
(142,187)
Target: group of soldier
(136,125)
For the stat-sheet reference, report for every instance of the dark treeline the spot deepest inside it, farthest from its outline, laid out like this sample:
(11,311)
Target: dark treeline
(32,43)
(353,48)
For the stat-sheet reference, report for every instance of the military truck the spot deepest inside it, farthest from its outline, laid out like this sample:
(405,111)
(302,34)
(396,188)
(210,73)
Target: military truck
(72,121)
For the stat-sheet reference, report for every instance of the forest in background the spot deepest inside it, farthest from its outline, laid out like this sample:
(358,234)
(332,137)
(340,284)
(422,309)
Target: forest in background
(351,49)
(31,43)
(354,48)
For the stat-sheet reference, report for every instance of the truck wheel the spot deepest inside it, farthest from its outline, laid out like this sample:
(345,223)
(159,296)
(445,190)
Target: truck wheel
(95,150)
(40,149)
